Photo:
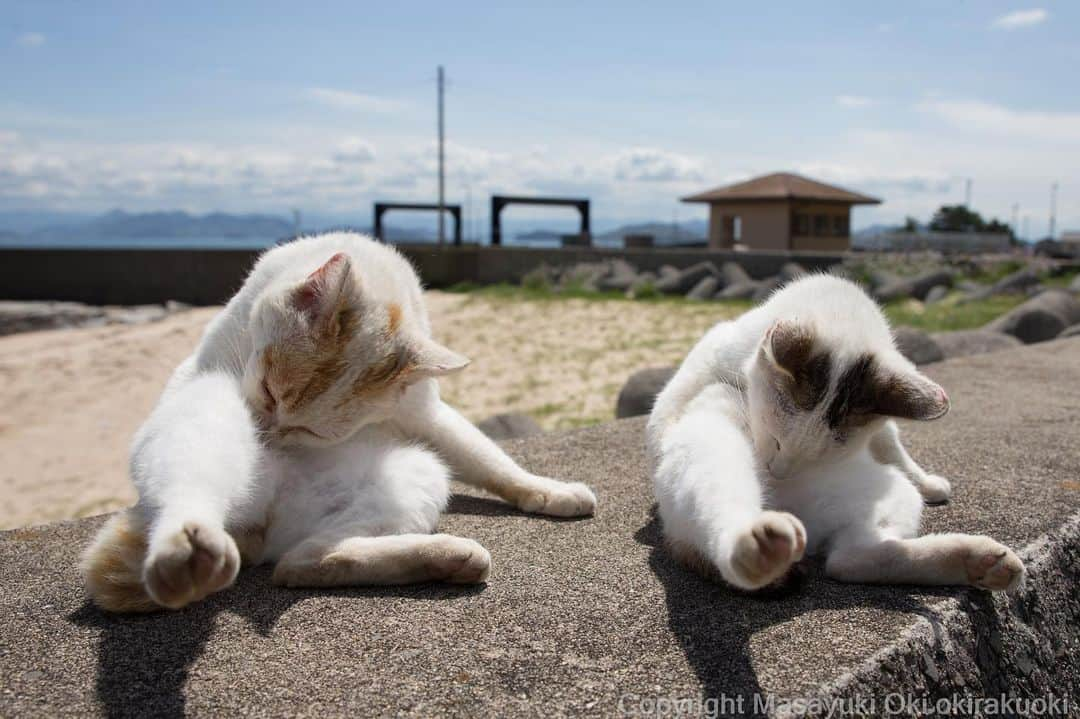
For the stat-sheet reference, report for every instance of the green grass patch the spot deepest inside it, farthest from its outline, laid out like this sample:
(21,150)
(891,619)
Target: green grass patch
(1060,281)
(950,314)
(546,410)
(545,293)
(989,274)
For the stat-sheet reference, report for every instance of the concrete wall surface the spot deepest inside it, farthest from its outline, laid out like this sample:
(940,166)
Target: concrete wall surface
(593,617)
(202,277)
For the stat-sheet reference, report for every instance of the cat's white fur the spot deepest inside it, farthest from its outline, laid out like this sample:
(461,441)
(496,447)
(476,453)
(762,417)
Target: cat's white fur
(746,483)
(353,498)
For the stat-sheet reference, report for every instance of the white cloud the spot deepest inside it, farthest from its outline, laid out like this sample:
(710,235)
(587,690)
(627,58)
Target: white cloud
(854,101)
(355,150)
(647,164)
(30,39)
(872,179)
(1019,19)
(354,101)
(1029,125)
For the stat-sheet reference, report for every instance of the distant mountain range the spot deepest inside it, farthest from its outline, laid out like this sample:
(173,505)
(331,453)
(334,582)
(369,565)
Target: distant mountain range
(123,225)
(874,230)
(664,233)
(45,227)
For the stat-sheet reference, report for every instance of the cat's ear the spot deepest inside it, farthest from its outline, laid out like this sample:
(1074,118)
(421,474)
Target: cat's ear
(802,370)
(321,294)
(910,395)
(428,358)
(788,346)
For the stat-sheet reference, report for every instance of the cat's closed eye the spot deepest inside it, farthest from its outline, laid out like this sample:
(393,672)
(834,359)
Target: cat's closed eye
(271,400)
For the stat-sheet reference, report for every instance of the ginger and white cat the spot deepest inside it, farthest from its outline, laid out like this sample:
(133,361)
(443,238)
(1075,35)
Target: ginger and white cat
(300,432)
(777,437)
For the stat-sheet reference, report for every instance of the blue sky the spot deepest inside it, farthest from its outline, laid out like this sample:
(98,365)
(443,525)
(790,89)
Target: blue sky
(326,106)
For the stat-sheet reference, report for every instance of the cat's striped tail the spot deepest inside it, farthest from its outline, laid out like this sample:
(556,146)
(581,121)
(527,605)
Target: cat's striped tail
(112,566)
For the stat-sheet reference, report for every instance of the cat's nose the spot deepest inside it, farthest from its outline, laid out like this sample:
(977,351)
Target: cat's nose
(778,468)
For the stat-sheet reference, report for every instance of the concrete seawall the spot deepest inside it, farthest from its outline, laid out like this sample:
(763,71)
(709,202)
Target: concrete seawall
(592,617)
(205,277)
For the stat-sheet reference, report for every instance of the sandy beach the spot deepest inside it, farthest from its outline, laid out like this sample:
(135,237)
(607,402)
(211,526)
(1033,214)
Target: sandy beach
(70,400)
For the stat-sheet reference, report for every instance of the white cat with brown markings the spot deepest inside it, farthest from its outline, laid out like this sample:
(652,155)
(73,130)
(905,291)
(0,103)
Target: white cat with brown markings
(300,432)
(777,437)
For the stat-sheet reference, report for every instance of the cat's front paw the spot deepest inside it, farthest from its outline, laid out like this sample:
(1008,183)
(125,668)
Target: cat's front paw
(993,566)
(935,489)
(189,564)
(557,499)
(458,560)
(765,552)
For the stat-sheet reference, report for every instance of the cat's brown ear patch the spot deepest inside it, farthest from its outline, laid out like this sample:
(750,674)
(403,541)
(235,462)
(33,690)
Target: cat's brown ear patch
(911,397)
(791,348)
(789,345)
(855,397)
(866,390)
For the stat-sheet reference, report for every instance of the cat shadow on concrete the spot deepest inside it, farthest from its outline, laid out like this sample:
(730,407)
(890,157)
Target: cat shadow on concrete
(715,624)
(478,506)
(144,660)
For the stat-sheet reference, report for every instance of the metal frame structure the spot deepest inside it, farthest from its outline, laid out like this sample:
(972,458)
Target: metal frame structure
(382,207)
(498,202)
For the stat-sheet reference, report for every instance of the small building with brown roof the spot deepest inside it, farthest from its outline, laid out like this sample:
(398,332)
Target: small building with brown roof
(781,211)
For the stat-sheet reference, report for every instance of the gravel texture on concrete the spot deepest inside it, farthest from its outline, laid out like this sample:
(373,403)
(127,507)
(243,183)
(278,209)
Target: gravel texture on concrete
(591,616)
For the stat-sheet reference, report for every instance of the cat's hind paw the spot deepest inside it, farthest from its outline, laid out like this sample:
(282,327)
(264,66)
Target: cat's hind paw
(994,567)
(458,560)
(558,499)
(190,564)
(935,489)
(766,551)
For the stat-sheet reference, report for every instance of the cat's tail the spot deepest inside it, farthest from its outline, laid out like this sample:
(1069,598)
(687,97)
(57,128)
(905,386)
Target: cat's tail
(112,566)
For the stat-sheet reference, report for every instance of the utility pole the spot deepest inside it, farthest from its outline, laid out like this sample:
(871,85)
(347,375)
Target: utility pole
(1053,209)
(1016,220)
(442,157)
(967,192)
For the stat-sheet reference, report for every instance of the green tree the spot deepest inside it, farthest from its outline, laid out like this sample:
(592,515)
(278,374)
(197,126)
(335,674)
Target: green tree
(959,218)
(956,218)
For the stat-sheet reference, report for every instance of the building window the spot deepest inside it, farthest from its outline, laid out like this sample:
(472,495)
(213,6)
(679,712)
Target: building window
(840,225)
(801,224)
(821,225)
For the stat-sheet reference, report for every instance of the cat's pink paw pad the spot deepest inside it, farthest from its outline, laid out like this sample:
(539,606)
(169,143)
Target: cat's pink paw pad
(190,564)
(766,551)
(995,568)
